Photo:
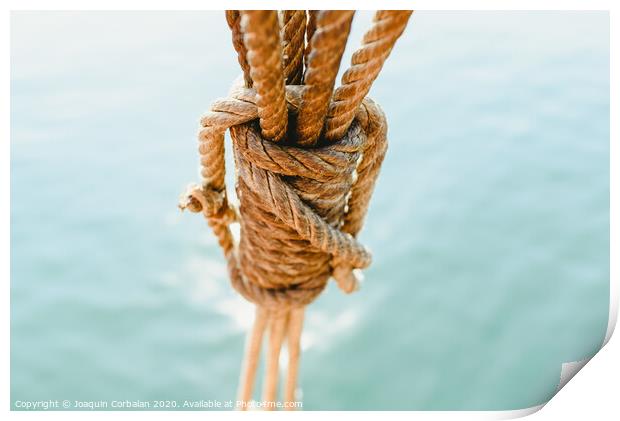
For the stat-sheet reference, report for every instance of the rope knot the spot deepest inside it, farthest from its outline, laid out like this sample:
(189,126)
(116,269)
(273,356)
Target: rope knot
(300,208)
(347,278)
(212,203)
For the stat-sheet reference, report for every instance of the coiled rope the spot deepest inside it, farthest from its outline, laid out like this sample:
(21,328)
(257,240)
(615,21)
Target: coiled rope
(307,158)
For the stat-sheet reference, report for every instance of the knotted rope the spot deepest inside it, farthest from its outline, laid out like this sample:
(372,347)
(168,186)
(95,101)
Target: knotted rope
(300,208)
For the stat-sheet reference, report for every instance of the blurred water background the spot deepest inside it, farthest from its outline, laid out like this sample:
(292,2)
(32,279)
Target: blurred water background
(489,224)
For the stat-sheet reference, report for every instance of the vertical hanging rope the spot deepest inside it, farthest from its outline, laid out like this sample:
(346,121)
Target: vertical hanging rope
(261,36)
(310,28)
(277,330)
(323,61)
(233,18)
(272,72)
(293,42)
(366,63)
(295,326)
(300,208)
(252,354)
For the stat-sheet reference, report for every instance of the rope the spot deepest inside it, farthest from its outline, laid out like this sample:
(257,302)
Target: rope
(323,61)
(366,63)
(261,37)
(252,353)
(293,31)
(307,209)
(310,28)
(295,326)
(277,329)
(233,18)
(300,208)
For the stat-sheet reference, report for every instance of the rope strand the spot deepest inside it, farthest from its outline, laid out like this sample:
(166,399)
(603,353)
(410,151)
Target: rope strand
(261,36)
(366,63)
(233,18)
(310,28)
(295,326)
(293,32)
(323,61)
(250,360)
(300,208)
(277,327)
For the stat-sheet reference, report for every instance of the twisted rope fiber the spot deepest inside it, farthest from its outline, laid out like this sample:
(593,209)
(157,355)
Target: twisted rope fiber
(310,28)
(233,18)
(366,63)
(300,209)
(293,32)
(261,37)
(327,45)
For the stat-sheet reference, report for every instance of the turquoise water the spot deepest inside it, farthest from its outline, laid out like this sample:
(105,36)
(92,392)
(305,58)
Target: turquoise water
(489,224)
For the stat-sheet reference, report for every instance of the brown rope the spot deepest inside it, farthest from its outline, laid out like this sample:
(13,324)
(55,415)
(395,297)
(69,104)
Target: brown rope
(252,353)
(293,32)
(322,174)
(366,63)
(295,326)
(277,330)
(233,18)
(310,28)
(287,268)
(325,51)
(300,209)
(261,37)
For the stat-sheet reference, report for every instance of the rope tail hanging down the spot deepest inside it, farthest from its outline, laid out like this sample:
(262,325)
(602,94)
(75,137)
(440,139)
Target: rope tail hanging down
(307,158)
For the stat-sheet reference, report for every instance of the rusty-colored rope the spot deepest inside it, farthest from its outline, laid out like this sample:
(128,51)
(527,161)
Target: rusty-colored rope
(293,33)
(261,36)
(366,63)
(325,51)
(300,208)
(289,267)
(233,18)
(310,28)
(295,326)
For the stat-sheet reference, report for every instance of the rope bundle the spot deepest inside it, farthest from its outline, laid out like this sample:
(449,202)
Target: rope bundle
(307,158)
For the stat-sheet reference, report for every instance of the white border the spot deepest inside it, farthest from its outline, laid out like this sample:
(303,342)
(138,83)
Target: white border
(579,397)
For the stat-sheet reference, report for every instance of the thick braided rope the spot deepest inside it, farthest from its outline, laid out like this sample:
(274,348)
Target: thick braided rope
(289,233)
(321,177)
(261,37)
(366,63)
(293,40)
(326,48)
(299,209)
(233,18)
